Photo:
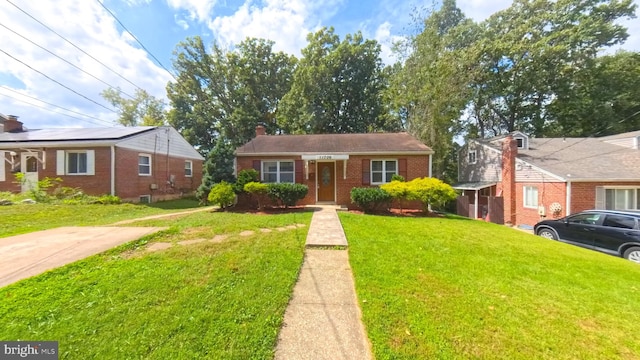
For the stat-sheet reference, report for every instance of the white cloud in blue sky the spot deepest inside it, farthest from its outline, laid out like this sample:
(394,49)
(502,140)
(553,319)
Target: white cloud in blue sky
(160,25)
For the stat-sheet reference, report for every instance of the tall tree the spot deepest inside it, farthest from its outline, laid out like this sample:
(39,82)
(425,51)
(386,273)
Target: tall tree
(142,109)
(532,53)
(223,94)
(431,89)
(337,87)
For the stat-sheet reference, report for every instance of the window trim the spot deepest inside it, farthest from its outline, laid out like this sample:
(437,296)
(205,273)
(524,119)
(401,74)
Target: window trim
(475,157)
(524,197)
(147,197)
(68,162)
(384,163)
(278,171)
(190,168)
(150,164)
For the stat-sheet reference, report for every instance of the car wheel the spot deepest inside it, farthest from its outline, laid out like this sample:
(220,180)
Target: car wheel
(633,254)
(548,233)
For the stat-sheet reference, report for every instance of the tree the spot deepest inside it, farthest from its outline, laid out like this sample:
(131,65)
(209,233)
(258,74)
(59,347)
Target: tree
(217,168)
(533,53)
(430,90)
(337,87)
(223,95)
(142,109)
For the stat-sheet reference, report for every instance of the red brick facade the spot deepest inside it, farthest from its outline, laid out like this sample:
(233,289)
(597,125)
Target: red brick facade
(416,166)
(129,185)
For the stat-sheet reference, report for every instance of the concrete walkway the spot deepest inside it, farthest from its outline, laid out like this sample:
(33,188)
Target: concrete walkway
(323,318)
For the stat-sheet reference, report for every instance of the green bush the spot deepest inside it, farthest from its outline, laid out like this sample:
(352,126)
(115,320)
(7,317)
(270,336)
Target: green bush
(286,194)
(430,191)
(398,190)
(105,199)
(258,191)
(222,194)
(245,177)
(396,177)
(370,199)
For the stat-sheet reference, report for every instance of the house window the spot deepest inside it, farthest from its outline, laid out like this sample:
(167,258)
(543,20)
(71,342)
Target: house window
(278,171)
(520,143)
(144,165)
(383,170)
(622,199)
(188,168)
(77,163)
(472,157)
(530,194)
(145,199)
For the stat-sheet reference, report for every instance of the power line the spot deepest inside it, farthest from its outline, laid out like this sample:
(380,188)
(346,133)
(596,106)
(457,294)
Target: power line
(74,45)
(136,39)
(57,82)
(66,61)
(57,112)
(60,107)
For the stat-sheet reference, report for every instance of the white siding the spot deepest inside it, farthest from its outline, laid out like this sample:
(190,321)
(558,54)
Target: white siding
(486,168)
(529,174)
(3,165)
(626,142)
(161,141)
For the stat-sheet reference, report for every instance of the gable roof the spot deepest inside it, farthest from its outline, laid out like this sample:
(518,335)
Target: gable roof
(74,134)
(373,143)
(585,159)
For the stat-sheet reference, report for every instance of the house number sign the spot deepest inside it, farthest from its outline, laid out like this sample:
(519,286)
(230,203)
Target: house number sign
(325,157)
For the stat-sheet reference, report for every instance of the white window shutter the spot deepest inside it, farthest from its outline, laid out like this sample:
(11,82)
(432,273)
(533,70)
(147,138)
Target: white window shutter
(91,167)
(600,198)
(3,165)
(60,162)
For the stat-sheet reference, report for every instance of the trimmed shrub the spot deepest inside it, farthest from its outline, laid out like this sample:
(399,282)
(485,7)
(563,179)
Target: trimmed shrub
(430,191)
(398,190)
(396,177)
(286,194)
(245,177)
(370,199)
(222,194)
(258,191)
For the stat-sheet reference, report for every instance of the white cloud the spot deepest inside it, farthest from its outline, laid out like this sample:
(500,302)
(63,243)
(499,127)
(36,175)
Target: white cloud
(199,10)
(181,22)
(89,27)
(286,22)
(386,40)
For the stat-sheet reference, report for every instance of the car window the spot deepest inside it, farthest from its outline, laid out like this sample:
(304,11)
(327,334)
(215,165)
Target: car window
(589,219)
(620,221)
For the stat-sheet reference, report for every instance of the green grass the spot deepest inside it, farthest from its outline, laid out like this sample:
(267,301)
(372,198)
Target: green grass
(207,300)
(24,218)
(449,288)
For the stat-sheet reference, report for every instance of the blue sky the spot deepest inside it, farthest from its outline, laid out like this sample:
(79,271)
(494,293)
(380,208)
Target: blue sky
(160,25)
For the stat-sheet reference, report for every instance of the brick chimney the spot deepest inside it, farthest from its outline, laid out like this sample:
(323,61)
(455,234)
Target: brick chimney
(11,124)
(509,153)
(261,130)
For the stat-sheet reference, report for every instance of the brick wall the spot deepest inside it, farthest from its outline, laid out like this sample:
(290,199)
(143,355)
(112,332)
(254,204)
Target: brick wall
(417,166)
(583,195)
(129,185)
(548,193)
(507,186)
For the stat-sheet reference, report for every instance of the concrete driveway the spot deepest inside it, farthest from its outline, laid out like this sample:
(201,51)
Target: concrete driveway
(26,255)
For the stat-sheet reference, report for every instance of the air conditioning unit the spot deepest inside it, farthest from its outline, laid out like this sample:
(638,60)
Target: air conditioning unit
(542,211)
(153,186)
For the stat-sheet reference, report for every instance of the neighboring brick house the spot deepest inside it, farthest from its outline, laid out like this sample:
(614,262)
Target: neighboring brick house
(332,164)
(541,178)
(138,164)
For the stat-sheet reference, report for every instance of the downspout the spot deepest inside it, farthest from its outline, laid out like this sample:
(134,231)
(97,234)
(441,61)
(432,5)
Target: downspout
(568,200)
(430,165)
(113,170)
(475,215)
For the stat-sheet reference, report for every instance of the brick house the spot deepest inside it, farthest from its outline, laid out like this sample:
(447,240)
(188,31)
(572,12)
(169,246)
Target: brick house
(138,164)
(539,178)
(332,164)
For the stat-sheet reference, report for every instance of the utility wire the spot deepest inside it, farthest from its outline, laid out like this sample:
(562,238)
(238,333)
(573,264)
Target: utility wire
(60,107)
(57,82)
(45,108)
(136,39)
(74,45)
(66,61)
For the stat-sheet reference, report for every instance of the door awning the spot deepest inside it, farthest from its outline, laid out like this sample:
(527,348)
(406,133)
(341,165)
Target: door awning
(474,185)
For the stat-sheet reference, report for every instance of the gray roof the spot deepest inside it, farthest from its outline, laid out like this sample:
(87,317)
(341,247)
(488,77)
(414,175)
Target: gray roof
(587,159)
(334,143)
(74,134)
(479,185)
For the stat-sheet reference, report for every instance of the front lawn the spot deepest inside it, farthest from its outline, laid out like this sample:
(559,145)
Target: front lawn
(217,299)
(24,218)
(450,288)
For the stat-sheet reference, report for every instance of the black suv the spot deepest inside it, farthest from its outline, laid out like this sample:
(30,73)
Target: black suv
(609,231)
